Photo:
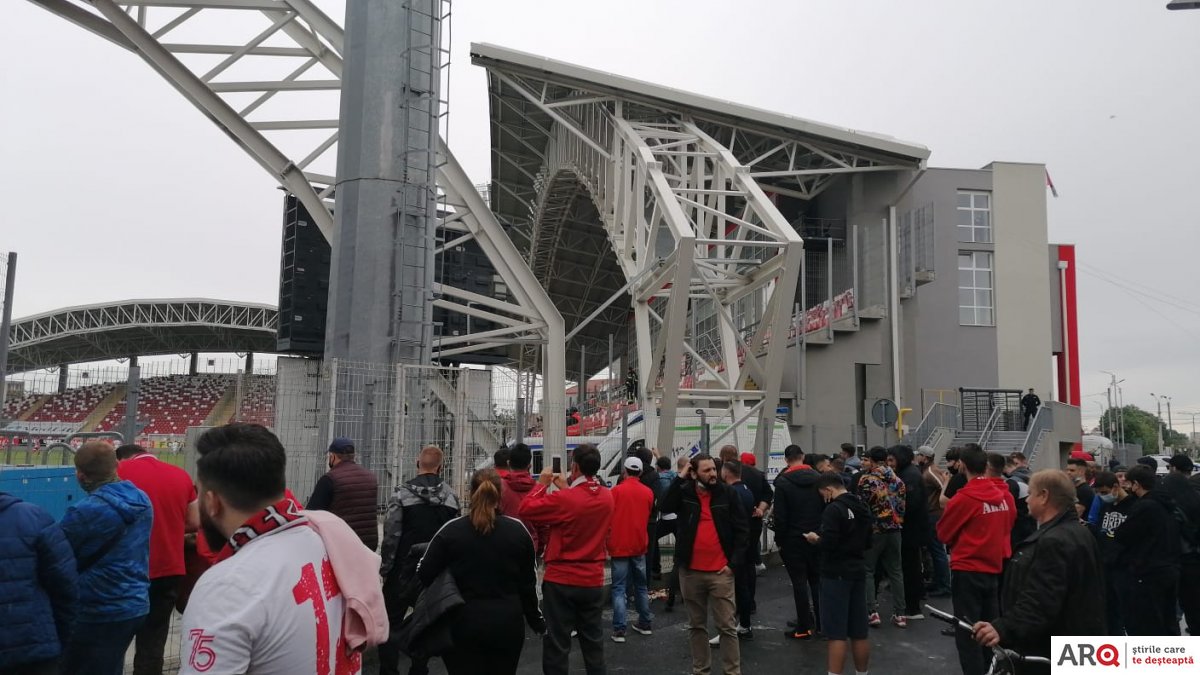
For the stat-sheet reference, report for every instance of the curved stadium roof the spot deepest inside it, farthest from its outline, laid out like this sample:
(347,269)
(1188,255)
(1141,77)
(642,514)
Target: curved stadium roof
(140,328)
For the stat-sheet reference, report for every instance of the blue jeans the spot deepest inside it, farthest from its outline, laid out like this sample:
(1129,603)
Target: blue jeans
(621,569)
(941,559)
(99,648)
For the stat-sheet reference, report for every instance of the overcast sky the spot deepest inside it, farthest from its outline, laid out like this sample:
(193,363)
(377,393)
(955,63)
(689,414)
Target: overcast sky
(117,188)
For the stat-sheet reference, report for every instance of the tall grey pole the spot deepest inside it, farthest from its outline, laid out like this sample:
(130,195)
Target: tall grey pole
(1121,405)
(381,270)
(1158,402)
(133,390)
(10,277)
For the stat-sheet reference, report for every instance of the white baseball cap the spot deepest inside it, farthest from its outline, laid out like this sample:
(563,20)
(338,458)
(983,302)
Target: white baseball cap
(633,464)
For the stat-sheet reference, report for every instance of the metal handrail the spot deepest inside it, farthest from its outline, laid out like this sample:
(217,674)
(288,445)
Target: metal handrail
(988,428)
(934,418)
(1043,422)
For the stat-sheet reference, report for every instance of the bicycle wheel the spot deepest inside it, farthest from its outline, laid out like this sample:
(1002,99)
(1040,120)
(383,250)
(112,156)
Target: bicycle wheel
(1002,664)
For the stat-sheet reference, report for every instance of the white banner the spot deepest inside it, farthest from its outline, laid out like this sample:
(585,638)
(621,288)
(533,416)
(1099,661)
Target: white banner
(45,428)
(1124,654)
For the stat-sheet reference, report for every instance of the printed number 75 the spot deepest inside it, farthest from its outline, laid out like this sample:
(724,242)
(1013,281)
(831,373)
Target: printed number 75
(202,657)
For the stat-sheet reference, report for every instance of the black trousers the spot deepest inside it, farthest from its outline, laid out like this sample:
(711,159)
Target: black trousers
(389,652)
(743,592)
(489,634)
(1189,593)
(754,556)
(975,598)
(151,640)
(802,561)
(1148,601)
(911,543)
(572,608)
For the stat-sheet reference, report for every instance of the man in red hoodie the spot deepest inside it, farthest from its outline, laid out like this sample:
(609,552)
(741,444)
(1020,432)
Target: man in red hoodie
(628,541)
(976,526)
(578,514)
(518,484)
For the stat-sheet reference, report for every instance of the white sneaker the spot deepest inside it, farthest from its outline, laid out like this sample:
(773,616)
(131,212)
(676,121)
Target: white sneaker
(760,569)
(715,642)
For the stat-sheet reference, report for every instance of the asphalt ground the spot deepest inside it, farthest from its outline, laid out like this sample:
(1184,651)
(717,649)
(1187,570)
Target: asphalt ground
(920,648)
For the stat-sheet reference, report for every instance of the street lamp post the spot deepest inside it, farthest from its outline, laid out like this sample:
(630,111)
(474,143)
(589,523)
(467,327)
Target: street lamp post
(1158,402)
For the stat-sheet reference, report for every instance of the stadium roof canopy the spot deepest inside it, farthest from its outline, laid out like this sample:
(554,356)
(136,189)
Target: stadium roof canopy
(139,328)
(549,211)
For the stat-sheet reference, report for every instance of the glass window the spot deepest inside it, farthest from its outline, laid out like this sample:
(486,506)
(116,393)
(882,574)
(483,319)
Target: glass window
(974,217)
(975,299)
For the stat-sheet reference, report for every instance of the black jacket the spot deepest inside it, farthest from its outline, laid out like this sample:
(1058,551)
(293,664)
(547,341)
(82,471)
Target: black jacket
(417,510)
(759,486)
(845,537)
(916,506)
(427,631)
(1149,537)
(798,505)
(730,519)
(495,566)
(1053,586)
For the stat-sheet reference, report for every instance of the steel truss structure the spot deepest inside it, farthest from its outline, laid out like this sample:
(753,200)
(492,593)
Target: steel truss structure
(249,86)
(140,327)
(683,219)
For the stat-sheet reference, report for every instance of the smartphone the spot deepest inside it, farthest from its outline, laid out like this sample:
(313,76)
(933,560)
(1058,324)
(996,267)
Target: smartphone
(556,465)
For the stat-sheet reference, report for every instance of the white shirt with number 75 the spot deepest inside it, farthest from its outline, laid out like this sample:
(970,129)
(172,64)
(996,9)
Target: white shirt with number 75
(273,608)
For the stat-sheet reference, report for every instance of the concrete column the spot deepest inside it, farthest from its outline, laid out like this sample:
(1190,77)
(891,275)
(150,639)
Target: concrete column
(250,363)
(194,364)
(63,371)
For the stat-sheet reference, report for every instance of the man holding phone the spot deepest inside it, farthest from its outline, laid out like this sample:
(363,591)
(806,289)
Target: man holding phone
(577,515)
(711,539)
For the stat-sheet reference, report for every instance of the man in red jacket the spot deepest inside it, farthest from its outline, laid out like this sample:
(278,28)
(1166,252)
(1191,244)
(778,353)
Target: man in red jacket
(627,544)
(976,525)
(578,514)
(518,485)
(176,512)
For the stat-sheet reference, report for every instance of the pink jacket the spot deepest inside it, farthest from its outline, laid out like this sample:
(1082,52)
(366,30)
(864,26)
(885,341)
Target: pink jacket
(356,569)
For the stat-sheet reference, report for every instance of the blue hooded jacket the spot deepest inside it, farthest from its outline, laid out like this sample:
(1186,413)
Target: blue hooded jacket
(116,587)
(38,585)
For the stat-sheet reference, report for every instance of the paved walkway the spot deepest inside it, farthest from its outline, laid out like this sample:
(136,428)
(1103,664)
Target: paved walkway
(918,649)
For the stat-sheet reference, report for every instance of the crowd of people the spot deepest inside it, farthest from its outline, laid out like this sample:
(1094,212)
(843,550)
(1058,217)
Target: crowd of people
(267,586)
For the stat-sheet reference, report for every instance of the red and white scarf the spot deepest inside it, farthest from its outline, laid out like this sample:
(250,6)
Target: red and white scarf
(277,517)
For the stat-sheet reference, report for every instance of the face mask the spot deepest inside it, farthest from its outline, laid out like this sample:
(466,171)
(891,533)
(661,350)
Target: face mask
(1108,498)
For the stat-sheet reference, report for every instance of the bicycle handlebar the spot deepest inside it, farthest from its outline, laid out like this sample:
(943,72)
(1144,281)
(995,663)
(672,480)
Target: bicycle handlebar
(955,621)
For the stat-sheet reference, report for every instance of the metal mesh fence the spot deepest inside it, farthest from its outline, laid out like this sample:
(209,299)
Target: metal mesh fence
(872,267)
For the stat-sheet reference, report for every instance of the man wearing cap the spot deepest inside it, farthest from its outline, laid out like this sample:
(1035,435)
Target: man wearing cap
(349,491)
(628,540)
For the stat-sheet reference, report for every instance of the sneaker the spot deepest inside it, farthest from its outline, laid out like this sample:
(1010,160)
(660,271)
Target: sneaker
(800,635)
(716,641)
(915,617)
(745,633)
(618,636)
(873,620)
(899,621)
(574,633)
(760,569)
(643,628)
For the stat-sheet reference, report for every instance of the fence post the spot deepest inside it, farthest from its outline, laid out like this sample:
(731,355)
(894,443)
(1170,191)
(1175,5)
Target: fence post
(399,393)
(460,434)
(331,433)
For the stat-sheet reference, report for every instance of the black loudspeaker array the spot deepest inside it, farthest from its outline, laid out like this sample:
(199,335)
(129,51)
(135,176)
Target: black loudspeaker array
(303,282)
(304,288)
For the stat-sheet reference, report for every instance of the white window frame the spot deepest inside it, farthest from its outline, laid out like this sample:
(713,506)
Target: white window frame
(982,314)
(981,202)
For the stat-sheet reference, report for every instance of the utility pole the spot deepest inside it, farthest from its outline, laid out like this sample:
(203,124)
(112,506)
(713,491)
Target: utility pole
(10,276)
(1170,422)
(1121,406)
(1158,401)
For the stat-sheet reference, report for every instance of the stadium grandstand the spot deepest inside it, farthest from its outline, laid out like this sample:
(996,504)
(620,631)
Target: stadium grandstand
(73,365)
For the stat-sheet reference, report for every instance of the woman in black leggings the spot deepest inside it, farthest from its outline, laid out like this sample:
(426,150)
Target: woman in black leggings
(491,559)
